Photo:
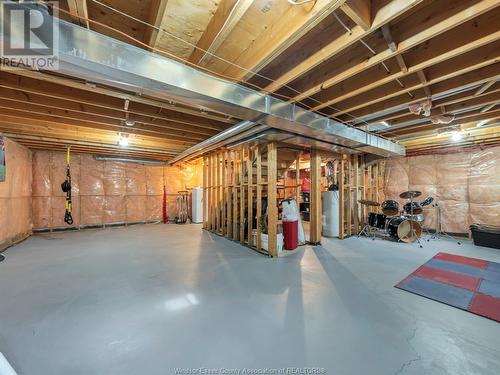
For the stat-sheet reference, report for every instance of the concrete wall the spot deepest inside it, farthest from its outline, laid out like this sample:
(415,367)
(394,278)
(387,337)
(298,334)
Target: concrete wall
(105,192)
(15,195)
(466,186)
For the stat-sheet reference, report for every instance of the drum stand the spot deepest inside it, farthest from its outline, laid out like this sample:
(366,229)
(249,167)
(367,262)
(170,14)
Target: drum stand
(439,232)
(412,231)
(367,231)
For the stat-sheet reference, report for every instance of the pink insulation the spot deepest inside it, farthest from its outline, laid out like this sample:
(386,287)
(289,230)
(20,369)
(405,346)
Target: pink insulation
(15,195)
(106,192)
(465,185)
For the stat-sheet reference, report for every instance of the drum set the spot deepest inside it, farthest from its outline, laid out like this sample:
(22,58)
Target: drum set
(403,225)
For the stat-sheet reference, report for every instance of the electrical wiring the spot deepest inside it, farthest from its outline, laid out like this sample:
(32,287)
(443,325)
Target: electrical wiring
(176,58)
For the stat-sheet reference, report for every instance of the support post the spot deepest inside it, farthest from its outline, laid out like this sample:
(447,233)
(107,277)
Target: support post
(250,196)
(258,162)
(235,195)
(315,232)
(272,207)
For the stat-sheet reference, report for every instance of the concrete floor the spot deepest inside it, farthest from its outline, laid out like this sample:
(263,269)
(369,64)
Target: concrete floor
(149,299)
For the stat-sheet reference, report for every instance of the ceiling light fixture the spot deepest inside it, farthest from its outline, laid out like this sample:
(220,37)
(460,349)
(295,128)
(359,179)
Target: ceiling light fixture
(456,136)
(129,122)
(123,140)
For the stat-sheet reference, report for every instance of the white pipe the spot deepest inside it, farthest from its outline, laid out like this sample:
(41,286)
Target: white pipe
(5,367)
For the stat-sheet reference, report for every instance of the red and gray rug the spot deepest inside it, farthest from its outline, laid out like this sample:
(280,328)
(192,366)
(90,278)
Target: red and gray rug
(467,283)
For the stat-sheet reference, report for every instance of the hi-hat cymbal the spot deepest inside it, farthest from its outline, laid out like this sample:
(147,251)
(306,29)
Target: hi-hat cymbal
(367,202)
(410,194)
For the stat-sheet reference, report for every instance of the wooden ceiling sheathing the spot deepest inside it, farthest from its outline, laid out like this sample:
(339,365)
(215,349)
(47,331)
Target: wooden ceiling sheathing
(413,49)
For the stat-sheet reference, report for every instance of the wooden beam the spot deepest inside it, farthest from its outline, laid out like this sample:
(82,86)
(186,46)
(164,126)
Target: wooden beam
(78,8)
(315,219)
(205,191)
(489,107)
(403,46)
(341,180)
(242,195)
(297,21)
(453,105)
(423,80)
(235,194)
(485,87)
(258,162)
(272,206)
(249,196)
(56,95)
(382,16)
(75,134)
(360,11)
(94,89)
(375,85)
(455,72)
(462,81)
(386,32)
(17,100)
(222,23)
(156,14)
(56,116)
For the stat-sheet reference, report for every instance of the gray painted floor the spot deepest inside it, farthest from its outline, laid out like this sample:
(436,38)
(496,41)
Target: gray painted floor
(149,299)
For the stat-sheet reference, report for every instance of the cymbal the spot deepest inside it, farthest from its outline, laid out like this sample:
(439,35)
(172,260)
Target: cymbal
(366,202)
(410,194)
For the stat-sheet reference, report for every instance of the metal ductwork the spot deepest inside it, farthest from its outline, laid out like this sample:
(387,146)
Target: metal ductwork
(88,55)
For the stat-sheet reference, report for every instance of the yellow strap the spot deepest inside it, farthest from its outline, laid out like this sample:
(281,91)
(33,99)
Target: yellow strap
(68,157)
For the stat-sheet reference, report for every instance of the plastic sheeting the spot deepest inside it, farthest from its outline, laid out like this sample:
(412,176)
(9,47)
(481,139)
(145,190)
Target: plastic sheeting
(106,192)
(15,195)
(465,186)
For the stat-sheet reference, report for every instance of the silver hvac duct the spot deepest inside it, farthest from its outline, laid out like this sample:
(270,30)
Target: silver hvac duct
(91,56)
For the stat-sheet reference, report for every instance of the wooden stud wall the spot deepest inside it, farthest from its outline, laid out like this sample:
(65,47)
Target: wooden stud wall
(358,180)
(234,185)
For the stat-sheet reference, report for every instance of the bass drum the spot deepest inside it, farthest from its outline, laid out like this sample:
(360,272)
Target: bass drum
(404,230)
(390,207)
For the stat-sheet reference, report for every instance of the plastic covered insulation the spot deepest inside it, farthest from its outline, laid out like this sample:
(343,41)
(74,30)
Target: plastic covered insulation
(106,191)
(465,186)
(15,195)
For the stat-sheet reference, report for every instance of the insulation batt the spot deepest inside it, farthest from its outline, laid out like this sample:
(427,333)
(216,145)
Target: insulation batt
(465,185)
(15,195)
(106,192)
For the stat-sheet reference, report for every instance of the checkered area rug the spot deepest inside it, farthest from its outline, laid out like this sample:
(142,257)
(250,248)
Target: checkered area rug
(467,283)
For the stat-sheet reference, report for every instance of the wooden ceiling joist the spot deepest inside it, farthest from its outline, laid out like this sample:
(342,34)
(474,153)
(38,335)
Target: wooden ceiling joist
(457,107)
(155,18)
(440,107)
(30,115)
(381,17)
(450,78)
(80,10)
(228,14)
(22,100)
(445,71)
(444,88)
(360,11)
(91,88)
(427,32)
(485,87)
(298,20)
(80,134)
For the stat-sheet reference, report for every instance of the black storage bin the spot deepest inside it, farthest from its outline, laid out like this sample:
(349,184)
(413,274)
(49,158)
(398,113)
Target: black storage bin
(487,236)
